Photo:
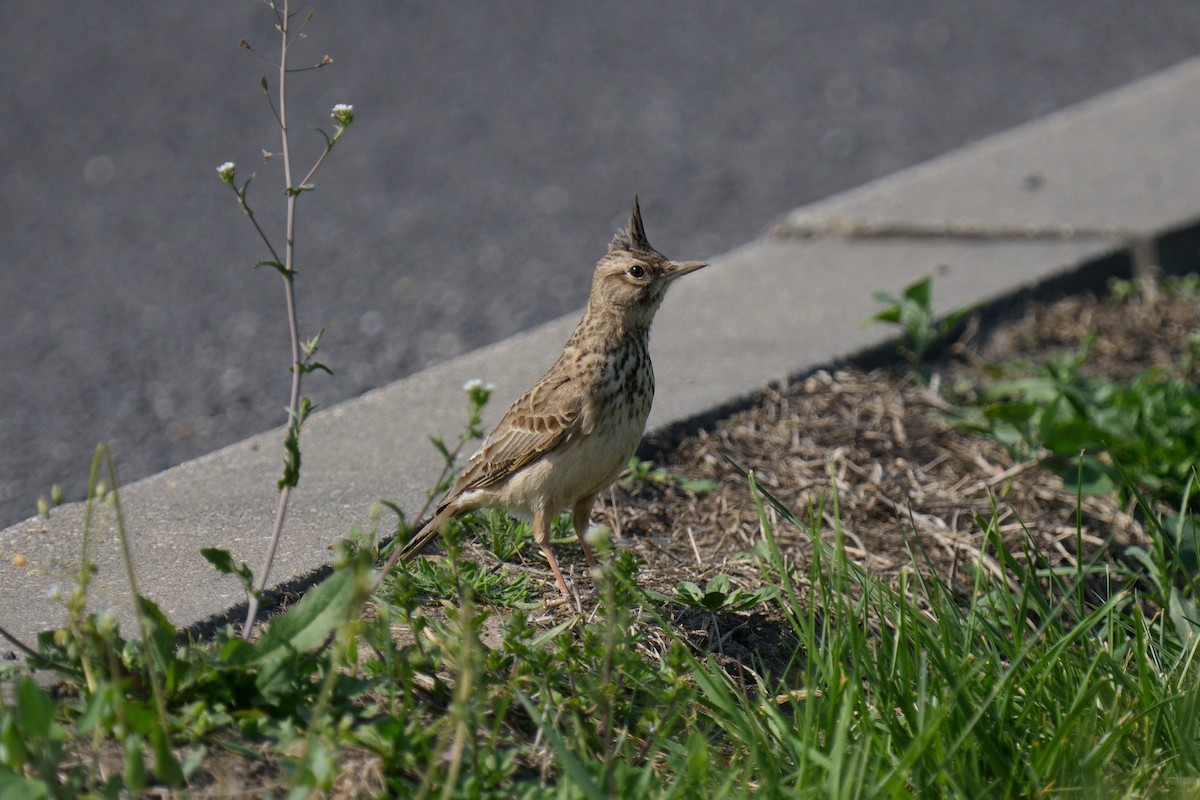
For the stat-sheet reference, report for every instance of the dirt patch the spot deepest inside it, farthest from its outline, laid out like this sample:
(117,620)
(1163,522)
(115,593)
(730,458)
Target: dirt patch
(878,446)
(1127,336)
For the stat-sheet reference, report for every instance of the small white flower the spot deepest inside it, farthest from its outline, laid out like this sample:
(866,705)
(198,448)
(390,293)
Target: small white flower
(478,392)
(226,171)
(106,622)
(54,592)
(343,113)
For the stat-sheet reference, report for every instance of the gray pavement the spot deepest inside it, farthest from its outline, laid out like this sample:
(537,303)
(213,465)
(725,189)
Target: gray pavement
(779,305)
(496,150)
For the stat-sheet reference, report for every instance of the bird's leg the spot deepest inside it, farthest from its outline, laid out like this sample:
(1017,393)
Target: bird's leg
(581,518)
(541,534)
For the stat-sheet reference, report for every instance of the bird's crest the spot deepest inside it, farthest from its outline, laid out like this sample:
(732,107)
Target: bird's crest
(632,238)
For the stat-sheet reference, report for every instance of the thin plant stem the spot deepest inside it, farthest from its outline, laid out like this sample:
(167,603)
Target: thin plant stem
(78,602)
(24,648)
(293,323)
(301,352)
(152,669)
(254,221)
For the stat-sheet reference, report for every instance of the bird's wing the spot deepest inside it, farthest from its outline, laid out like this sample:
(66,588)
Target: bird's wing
(553,411)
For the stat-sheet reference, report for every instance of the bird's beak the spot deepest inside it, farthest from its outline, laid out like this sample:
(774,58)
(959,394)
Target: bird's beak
(681,268)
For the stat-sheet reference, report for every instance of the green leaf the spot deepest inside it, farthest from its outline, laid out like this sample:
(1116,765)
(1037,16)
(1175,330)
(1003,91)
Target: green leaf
(135,766)
(689,593)
(313,366)
(1090,476)
(141,716)
(166,766)
(697,759)
(718,584)
(951,321)
(280,268)
(1187,542)
(888,315)
(99,706)
(35,709)
(1141,556)
(439,444)
(307,624)
(1066,437)
(697,485)
(17,787)
(291,460)
(223,562)
(162,632)
(221,559)
(303,630)
(921,292)
(1185,616)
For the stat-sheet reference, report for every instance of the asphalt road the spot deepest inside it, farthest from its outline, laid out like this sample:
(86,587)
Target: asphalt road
(495,151)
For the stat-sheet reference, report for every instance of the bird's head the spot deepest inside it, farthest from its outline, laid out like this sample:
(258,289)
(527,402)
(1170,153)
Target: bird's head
(632,277)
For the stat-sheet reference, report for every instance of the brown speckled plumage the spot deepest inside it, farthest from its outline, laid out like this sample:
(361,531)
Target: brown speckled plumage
(572,433)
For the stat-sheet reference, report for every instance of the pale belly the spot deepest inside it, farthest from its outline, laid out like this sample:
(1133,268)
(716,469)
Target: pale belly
(581,468)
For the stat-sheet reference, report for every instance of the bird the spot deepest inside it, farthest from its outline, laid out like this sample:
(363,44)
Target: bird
(570,435)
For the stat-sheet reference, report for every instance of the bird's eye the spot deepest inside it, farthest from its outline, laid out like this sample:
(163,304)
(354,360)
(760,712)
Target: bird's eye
(637,271)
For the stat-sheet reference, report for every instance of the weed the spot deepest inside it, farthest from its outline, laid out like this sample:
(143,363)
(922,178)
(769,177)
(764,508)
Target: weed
(719,595)
(302,351)
(640,470)
(913,313)
(438,580)
(1090,429)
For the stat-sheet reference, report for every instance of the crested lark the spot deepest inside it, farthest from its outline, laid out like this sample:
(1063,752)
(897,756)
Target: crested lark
(570,435)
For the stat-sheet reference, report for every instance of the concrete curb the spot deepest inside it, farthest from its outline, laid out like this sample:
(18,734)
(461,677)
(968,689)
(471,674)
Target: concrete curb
(1061,198)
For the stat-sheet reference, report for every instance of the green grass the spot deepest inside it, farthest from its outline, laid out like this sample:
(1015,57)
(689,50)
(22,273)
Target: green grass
(907,691)
(1026,691)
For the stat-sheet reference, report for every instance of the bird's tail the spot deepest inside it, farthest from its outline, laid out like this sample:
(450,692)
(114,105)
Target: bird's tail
(426,534)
